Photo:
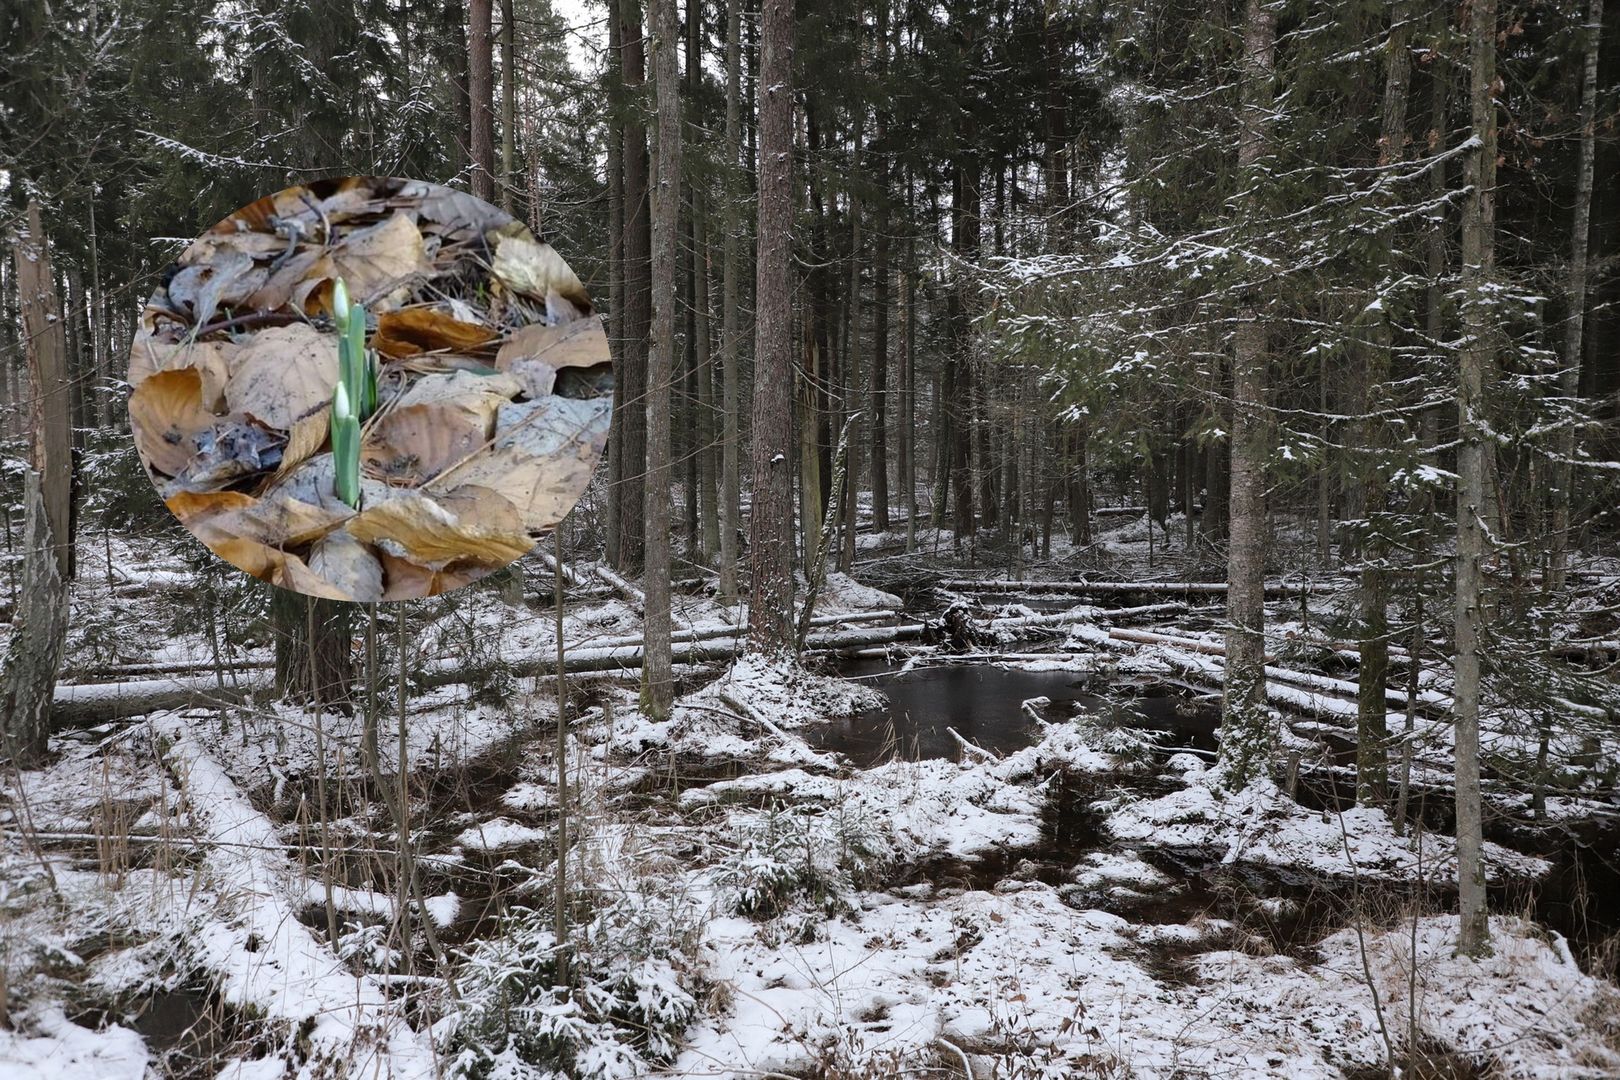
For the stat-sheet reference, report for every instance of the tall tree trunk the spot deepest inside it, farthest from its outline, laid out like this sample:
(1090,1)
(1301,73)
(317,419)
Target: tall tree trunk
(454,19)
(616,277)
(958,389)
(657,681)
(1569,380)
(1478,264)
(878,413)
(854,389)
(39,633)
(1246,735)
(730,319)
(770,610)
(1372,710)
(481,95)
(508,103)
(631,491)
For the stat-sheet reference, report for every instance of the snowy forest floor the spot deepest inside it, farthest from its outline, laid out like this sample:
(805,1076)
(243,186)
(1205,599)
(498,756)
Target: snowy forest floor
(1008,856)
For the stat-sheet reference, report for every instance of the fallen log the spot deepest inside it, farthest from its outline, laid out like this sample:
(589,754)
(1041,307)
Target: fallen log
(93,703)
(1109,588)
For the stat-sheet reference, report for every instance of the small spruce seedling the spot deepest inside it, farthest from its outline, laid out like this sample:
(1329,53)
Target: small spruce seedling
(355,396)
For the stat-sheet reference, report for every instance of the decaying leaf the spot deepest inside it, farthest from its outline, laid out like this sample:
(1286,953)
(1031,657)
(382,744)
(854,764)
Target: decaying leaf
(411,444)
(582,343)
(378,262)
(542,456)
(454,214)
(232,448)
(349,566)
(281,520)
(306,438)
(309,265)
(197,511)
(295,574)
(229,278)
(282,374)
(212,359)
(166,412)
(535,270)
(427,329)
(408,581)
(469,523)
(261,214)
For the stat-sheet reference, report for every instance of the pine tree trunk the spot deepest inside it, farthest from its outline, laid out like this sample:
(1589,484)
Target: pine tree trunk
(1478,263)
(1372,727)
(1569,380)
(770,611)
(39,633)
(1246,735)
(657,681)
(508,103)
(481,93)
(730,320)
(616,275)
(632,375)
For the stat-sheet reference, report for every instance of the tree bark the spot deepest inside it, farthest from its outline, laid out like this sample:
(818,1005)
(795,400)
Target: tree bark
(657,682)
(1246,735)
(616,277)
(1569,380)
(480,93)
(770,612)
(1478,264)
(631,491)
(508,102)
(730,321)
(1372,726)
(39,633)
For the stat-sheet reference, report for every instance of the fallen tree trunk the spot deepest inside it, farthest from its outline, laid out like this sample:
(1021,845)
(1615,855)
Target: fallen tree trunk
(1108,588)
(94,703)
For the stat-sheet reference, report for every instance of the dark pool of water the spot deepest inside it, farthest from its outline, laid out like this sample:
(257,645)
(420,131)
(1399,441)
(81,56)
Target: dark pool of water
(984,704)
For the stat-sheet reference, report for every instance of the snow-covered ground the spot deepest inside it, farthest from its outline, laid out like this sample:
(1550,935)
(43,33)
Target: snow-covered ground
(742,902)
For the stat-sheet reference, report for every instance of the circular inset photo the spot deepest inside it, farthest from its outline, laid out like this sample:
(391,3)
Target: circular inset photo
(370,388)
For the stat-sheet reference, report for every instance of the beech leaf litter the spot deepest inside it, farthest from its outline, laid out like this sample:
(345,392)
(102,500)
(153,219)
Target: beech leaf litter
(494,386)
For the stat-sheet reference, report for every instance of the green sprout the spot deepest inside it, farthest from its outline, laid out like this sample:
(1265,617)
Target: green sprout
(355,397)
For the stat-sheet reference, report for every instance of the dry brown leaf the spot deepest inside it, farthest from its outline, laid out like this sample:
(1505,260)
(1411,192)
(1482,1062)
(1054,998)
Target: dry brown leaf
(470,523)
(582,343)
(306,438)
(538,378)
(378,260)
(348,565)
(228,279)
(456,214)
(411,444)
(295,574)
(284,373)
(535,269)
(281,520)
(198,510)
(278,289)
(212,359)
(542,457)
(166,412)
(485,393)
(408,581)
(427,329)
(256,215)
(208,247)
